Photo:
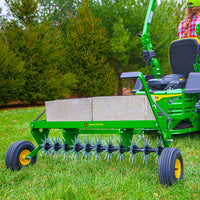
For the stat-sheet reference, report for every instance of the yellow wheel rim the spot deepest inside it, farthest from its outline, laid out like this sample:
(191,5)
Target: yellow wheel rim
(22,157)
(177,168)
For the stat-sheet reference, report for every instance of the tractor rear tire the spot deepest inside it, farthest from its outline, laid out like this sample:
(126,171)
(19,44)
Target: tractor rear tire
(170,167)
(15,155)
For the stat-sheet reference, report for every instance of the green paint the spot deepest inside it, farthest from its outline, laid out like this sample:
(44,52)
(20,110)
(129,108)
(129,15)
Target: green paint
(70,135)
(126,136)
(146,40)
(40,134)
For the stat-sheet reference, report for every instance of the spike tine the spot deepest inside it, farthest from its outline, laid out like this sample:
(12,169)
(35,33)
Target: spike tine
(73,154)
(142,155)
(144,160)
(42,141)
(132,159)
(42,149)
(147,159)
(83,155)
(43,153)
(59,138)
(118,157)
(96,157)
(106,156)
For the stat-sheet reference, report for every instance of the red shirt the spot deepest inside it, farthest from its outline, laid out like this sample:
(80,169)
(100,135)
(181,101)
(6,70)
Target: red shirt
(191,28)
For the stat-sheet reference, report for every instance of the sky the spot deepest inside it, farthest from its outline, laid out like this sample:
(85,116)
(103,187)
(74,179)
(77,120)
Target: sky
(2,2)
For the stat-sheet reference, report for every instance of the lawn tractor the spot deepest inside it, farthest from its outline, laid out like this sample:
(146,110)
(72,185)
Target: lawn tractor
(164,105)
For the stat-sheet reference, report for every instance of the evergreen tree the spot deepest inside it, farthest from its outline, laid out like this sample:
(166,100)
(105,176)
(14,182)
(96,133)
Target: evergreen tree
(57,12)
(119,44)
(11,75)
(86,52)
(42,50)
(24,11)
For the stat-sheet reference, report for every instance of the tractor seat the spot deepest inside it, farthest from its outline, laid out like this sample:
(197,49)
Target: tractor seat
(182,56)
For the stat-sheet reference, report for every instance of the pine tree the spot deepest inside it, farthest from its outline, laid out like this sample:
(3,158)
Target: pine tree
(42,50)
(86,52)
(57,12)
(11,75)
(24,11)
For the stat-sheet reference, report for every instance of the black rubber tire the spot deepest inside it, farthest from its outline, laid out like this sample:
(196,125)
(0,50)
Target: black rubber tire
(13,153)
(166,166)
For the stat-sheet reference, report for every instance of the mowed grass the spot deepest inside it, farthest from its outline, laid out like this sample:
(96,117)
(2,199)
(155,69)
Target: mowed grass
(56,178)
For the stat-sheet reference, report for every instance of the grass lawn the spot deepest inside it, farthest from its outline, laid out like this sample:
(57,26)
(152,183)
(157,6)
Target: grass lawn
(56,178)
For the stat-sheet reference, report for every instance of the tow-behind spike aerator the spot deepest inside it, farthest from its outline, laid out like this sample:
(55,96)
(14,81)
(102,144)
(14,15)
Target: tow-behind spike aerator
(89,148)
(166,106)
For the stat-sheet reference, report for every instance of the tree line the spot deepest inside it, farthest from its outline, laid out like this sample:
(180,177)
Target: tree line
(51,49)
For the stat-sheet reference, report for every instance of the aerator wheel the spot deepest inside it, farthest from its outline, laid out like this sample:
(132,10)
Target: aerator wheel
(170,167)
(16,153)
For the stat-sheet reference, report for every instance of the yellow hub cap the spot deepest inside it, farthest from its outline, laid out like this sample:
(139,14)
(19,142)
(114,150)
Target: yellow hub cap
(177,168)
(22,157)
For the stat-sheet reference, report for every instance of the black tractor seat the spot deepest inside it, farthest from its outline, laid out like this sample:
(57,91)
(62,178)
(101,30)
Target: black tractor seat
(182,56)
